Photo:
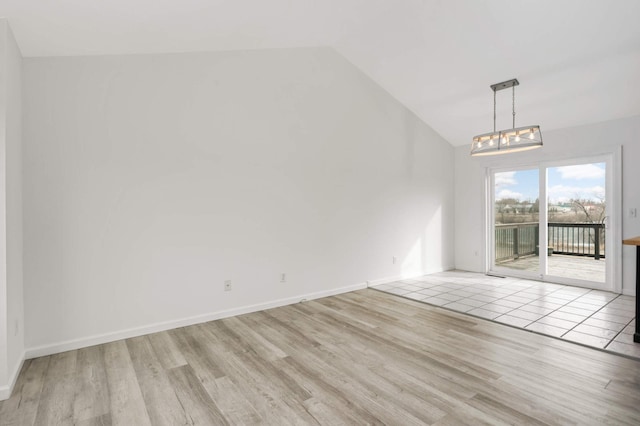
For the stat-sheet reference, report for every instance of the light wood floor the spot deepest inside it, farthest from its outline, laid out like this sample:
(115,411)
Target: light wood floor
(360,358)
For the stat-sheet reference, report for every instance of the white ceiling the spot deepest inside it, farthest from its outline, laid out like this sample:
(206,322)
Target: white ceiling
(578,61)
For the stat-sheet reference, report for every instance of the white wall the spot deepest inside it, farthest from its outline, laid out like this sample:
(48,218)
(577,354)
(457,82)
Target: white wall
(566,143)
(4,105)
(11,291)
(149,180)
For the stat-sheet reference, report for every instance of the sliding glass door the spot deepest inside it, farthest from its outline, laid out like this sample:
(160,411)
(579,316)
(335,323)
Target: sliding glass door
(551,222)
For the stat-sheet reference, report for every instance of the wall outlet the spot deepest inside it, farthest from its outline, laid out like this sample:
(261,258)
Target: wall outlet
(633,212)
(227,285)
(394,260)
(283,278)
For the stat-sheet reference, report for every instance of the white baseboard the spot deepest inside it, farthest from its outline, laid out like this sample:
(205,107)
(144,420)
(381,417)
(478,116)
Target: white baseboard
(384,280)
(5,391)
(84,342)
(404,277)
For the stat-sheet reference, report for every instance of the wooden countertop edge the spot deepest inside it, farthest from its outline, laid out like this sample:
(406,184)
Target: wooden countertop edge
(635,241)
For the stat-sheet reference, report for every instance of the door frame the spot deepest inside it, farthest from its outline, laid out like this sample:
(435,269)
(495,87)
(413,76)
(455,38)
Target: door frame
(613,190)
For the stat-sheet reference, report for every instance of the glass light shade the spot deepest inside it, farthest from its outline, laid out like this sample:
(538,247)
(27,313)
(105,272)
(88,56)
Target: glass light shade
(510,140)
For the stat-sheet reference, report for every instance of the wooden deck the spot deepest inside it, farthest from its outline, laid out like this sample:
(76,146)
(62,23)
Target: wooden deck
(579,267)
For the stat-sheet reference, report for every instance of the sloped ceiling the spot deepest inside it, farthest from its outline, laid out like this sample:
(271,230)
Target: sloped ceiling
(578,61)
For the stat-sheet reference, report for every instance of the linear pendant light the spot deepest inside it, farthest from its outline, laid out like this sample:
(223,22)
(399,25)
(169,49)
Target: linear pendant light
(515,139)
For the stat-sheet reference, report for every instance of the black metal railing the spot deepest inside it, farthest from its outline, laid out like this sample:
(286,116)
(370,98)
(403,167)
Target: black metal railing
(577,239)
(515,239)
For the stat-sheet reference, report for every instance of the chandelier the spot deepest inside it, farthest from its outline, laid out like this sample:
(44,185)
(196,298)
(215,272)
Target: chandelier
(505,141)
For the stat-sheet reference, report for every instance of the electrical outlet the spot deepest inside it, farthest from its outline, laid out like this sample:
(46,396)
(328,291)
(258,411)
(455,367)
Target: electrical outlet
(394,260)
(283,278)
(227,285)
(633,212)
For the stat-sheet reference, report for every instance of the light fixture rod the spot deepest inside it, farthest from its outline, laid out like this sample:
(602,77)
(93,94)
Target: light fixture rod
(494,111)
(513,105)
(500,86)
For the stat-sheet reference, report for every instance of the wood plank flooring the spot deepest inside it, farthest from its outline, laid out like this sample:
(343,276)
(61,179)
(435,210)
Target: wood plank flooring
(359,358)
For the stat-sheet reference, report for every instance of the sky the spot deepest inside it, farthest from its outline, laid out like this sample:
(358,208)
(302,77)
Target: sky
(585,181)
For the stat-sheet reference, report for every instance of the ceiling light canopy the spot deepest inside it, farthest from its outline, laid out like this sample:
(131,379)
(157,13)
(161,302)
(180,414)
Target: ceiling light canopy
(515,139)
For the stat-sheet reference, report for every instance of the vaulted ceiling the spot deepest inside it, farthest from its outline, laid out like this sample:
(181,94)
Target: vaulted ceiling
(578,61)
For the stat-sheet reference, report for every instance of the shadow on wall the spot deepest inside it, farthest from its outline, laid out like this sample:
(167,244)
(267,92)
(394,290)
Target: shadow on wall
(422,258)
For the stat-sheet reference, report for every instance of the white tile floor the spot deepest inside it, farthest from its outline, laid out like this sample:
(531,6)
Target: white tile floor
(591,317)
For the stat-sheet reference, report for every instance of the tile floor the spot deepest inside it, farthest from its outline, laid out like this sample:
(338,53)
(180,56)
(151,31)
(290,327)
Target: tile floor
(595,318)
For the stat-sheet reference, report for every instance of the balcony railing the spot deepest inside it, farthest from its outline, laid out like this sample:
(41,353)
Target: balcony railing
(577,239)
